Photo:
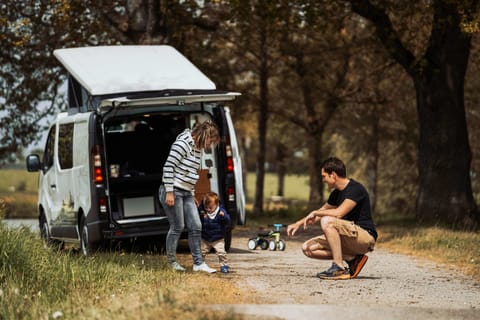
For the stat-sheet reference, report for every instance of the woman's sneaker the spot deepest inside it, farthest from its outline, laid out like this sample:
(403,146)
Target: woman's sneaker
(356,264)
(335,272)
(203,267)
(177,267)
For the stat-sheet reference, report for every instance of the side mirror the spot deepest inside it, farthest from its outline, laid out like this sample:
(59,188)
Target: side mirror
(33,163)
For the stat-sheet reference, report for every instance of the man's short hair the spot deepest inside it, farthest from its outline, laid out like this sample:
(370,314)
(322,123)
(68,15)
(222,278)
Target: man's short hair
(336,165)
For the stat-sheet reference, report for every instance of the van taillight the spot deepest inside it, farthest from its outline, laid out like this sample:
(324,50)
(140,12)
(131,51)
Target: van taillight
(98,175)
(97,164)
(228,152)
(229,164)
(102,204)
(231,194)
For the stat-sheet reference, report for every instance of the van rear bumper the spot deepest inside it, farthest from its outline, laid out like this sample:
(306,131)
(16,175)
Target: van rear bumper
(130,228)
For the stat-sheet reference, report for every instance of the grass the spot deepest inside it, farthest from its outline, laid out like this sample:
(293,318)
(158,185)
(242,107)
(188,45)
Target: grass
(454,249)
(37,282)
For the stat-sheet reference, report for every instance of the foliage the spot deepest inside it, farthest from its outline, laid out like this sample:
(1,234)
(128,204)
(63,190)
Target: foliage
(30,77)
(374,126)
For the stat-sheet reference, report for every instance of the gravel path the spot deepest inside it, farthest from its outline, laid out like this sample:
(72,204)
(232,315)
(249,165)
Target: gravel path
(390,286)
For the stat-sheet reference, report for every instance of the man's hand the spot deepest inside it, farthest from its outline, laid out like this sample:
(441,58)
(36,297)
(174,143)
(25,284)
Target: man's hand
(292,228)
(310,219)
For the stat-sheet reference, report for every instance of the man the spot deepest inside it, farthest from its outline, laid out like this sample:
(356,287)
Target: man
(348,229)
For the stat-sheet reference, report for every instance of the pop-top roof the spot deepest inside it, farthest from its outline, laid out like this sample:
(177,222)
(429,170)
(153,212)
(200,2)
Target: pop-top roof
(106,70)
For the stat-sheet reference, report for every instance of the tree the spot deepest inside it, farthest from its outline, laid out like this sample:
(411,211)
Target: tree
(438,74)
(253,34)
(30,77)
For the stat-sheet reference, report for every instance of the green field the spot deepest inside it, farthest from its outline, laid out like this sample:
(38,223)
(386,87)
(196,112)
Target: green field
(18,193)
(296,186)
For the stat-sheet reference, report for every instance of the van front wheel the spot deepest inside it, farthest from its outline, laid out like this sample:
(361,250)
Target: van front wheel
(45,231)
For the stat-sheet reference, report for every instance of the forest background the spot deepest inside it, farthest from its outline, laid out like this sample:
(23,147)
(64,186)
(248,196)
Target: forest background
(390,87)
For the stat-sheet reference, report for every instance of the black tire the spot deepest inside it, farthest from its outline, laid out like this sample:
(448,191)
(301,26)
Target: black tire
(86,247)
(44,230)
(228,239)
(263,244)
(46,236)
(252,244)
(272,245)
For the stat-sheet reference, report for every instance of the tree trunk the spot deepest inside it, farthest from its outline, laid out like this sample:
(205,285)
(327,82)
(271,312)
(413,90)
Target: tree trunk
(262,124)
(314,162)
(444,157)
(372,159)
(281,168)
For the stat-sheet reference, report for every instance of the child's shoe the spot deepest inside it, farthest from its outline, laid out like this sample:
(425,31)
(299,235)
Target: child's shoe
(225,269)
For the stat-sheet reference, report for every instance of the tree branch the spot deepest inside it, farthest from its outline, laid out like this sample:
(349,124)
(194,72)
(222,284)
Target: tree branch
(387,35)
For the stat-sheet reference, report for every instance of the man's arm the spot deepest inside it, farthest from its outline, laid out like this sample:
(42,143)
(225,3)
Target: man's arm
(292,228)
(338,212)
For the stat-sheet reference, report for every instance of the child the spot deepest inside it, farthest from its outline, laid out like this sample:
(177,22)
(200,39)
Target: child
(214,219)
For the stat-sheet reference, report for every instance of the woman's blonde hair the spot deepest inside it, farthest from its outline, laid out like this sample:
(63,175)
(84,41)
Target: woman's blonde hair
(205,134)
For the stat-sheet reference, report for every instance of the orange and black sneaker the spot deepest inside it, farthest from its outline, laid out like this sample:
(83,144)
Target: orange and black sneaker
(335,272)
(356,264)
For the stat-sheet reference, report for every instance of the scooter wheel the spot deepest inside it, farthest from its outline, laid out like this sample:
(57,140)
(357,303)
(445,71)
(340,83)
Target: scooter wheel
(281,245)
(252,244)
(272,245)
(264,244)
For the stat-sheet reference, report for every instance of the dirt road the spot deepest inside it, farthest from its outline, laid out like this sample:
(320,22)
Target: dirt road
(390,286)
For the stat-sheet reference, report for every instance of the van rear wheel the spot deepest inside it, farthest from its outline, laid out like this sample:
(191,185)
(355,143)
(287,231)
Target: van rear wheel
(86,246)
(228,239)
(45,234)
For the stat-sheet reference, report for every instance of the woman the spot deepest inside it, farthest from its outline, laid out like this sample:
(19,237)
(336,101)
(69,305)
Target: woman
(180,174)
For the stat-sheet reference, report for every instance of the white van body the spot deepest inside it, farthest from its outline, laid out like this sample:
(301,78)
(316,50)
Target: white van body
(103,159)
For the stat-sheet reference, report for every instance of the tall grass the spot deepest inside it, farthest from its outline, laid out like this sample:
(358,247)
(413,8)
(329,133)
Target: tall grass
(38,282)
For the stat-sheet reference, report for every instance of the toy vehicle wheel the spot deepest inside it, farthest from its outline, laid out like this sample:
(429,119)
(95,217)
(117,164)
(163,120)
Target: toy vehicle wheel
(281,245)
(264,244)
(272,245)
(252,244)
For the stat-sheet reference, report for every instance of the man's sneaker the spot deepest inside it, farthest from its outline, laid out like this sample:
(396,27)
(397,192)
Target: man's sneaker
(177,267)
(356,264)
(203,267)
(335,272)
(225,269)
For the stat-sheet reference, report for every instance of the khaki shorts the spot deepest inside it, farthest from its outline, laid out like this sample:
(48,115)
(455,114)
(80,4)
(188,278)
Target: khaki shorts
(355,240)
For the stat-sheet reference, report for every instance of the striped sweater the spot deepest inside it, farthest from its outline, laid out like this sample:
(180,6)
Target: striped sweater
(181,168)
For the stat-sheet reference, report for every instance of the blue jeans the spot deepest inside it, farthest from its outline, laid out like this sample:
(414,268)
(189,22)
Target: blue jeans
(183,213)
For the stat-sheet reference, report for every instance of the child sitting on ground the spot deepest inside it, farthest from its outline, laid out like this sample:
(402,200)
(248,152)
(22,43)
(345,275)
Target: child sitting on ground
(214,219)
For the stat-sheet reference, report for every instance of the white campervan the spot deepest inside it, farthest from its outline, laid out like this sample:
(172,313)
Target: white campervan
(103,159)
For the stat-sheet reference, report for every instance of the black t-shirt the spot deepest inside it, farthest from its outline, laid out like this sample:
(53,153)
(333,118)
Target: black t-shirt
(361,213)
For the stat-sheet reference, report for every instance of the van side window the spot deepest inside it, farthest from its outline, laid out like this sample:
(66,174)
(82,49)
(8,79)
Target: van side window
(65,146)
(48,154)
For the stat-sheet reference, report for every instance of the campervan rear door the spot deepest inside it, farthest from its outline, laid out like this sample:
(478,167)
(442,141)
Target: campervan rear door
(237,167)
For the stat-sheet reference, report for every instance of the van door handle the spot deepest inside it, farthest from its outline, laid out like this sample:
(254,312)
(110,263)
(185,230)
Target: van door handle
(53,186)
